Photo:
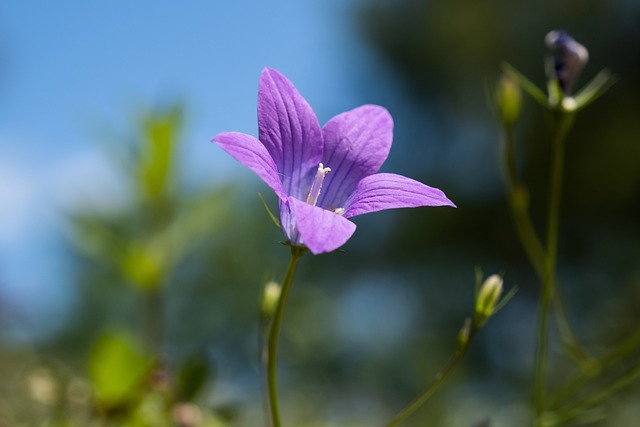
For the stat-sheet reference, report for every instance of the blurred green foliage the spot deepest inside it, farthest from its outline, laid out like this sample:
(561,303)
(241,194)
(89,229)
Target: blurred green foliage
(168,285)
(440,55)
(116,369)
(134,265)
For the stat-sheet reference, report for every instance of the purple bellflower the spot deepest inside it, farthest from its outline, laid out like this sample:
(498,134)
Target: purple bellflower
(323,176)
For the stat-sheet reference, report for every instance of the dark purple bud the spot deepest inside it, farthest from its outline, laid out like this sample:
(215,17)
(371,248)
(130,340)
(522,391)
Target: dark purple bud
(569,58)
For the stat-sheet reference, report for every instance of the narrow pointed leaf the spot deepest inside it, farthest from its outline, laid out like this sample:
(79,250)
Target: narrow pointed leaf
(594,89)
(271,215)
(536,93)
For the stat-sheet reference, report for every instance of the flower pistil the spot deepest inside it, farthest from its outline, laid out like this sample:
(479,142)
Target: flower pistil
(314,192)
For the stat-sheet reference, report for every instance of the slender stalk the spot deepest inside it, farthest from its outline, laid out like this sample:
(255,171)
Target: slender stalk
(423,397)
(598,369)
(157,214)
(573,348)
(274,333)
(539,379)
(561,124)
(574,411)
(519,208)
(153,321)
(265,327)
(532,245)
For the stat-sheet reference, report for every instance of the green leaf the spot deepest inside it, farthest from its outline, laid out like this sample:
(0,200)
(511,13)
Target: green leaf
(536,93)
(117,369)
(160,132)
(271,215)
(192,377)
(594,89)
(145,264)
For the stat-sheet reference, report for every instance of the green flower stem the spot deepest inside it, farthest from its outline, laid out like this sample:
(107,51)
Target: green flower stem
(561,124)
(531,242)
(519,206)
(423,397)
(541,351)
(543,261)
(573,348)
(153,321)
(597,369)
(533,247)
(274,333)
(569,414)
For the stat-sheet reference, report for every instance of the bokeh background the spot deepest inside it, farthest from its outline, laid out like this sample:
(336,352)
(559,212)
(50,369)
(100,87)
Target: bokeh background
(123,230)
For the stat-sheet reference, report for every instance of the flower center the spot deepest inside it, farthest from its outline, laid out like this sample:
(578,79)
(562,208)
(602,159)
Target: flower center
(314,192)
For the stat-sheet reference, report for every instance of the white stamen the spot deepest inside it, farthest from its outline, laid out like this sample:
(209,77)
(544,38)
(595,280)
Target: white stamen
(338,211)
(314,192)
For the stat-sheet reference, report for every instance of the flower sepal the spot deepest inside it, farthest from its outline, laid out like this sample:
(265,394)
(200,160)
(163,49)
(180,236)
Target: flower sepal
(527,85)
(594,89)
(271,215)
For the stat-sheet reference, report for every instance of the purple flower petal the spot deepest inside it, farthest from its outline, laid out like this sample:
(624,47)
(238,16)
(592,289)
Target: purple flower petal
(320,230)
(250,152)
(356,143)
(389,191)
(289,129)
(288,222)
(292,152)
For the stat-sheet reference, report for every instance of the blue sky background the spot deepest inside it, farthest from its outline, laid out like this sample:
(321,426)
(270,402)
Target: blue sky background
(67,69)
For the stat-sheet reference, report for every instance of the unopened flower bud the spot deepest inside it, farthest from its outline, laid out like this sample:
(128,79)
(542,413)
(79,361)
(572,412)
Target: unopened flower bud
(270,298)
(569,59)
(463,335)
(508,99)
(486,300)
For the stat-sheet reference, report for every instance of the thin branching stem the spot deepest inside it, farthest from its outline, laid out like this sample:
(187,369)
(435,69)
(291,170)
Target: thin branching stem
(576,351)
(542,259)
(274,334)
(569,414)
(519,209)
(599,368)
(561,123)
(442,375)
(531,242)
